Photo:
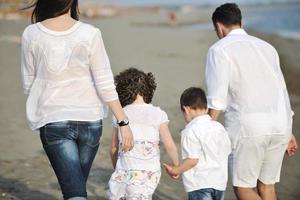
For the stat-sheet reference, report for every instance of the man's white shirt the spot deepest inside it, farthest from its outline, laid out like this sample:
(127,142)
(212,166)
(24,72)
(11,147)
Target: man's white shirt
(244,79)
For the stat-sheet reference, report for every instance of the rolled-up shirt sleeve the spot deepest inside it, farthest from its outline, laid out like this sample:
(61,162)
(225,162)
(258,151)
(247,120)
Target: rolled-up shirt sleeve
(27,67)
(101,69)
(217,74)
(191,146)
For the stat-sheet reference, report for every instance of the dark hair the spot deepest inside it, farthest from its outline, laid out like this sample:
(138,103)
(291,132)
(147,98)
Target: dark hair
(45,9)
(227,14)
(131,82)
(194,98)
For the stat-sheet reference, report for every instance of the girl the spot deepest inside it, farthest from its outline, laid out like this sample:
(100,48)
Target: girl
(137,172)
(68,79)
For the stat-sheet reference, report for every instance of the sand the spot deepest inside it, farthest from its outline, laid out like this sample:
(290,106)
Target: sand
(176,56)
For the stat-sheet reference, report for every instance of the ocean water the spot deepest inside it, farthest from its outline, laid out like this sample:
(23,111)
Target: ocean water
(280,17)
(284,21)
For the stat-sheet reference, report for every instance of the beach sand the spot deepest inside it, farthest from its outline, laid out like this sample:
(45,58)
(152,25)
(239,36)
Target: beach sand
(176,56)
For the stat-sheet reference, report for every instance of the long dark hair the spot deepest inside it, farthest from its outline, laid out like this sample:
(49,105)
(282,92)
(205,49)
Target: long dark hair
(45,9)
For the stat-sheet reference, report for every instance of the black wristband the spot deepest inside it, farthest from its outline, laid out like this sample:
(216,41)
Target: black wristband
(124,122)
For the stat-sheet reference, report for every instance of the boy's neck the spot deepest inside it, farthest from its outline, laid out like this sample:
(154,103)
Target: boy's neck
(198,113)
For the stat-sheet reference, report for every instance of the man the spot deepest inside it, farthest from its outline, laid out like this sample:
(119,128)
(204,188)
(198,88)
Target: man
(244,79)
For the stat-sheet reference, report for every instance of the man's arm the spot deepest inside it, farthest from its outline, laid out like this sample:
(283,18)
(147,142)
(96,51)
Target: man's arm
(217,74)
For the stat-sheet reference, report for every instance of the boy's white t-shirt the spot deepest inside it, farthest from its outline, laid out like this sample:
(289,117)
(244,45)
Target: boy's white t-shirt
(208,141)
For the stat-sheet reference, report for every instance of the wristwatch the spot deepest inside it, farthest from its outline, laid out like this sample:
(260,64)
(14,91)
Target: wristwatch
(124,122)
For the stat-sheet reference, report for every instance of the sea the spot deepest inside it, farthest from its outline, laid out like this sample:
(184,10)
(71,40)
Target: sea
(282,18)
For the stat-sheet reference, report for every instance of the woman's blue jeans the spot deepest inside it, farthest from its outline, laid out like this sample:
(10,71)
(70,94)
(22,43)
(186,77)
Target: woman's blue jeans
(71,147)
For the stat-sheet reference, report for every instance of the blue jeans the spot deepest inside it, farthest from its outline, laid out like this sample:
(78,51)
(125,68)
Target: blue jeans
(71,147)
(206,194)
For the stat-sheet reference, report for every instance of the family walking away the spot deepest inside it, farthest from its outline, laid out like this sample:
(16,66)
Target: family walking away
(70,87)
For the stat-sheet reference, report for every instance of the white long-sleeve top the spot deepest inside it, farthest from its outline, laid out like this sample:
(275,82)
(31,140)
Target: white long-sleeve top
(66,74)
(244,79)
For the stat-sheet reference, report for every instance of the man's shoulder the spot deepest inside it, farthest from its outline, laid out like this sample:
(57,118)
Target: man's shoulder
(233,39)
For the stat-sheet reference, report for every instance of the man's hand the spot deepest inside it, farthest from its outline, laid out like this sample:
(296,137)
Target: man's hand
(170,170)
(292,147)
(127,138)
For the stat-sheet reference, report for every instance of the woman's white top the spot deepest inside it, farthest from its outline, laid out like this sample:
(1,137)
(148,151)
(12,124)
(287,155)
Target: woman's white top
(244,78)
(207,141)
(66,74)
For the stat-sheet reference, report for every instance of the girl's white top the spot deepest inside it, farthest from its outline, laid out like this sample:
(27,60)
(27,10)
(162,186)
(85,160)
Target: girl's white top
(138,171)
(66,74)
(144,121)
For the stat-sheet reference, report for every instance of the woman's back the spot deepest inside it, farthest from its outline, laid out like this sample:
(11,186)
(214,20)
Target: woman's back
(60,70)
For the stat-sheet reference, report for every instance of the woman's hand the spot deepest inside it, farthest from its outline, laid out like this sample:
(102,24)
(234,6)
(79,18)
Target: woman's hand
(126,134)
(127,138)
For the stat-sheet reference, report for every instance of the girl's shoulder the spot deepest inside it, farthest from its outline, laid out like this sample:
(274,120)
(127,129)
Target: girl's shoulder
(144,107)
(141,111)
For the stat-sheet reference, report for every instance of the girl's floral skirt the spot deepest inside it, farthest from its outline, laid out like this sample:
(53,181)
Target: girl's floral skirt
(133,184)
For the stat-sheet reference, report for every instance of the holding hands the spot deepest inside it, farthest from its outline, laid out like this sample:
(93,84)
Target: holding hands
(171,171)
(175,171)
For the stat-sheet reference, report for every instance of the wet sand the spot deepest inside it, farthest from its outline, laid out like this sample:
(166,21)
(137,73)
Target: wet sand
(175,55)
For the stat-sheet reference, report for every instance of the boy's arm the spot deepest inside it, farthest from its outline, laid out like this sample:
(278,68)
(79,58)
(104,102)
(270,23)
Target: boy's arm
(192,150)
(169,143)
(185,166)
(114,147)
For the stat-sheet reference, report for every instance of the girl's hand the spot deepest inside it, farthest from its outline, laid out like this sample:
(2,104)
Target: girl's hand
(127,138)
(292,147)
(170,170)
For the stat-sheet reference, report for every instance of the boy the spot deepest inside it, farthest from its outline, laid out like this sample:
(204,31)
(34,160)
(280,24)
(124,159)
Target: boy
(205,149)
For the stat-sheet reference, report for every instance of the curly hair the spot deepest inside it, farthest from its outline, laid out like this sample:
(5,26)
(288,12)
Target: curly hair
(131,82)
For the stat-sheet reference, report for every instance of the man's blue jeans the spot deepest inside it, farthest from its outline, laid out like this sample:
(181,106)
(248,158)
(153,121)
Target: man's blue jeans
(206,194)
(71,147)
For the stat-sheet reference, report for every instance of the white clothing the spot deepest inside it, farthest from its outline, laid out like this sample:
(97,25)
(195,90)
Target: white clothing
(207,141)
(244,79)
(258,158)
(138,171)
(67,74)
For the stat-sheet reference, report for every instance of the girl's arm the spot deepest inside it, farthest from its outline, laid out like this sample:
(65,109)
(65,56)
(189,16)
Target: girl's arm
(169,143)
(114,147)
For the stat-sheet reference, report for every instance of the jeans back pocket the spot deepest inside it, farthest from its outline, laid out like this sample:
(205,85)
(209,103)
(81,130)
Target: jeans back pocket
(55,133)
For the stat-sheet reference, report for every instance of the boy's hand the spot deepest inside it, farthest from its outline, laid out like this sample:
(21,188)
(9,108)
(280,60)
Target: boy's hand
(170,170)
(292,147)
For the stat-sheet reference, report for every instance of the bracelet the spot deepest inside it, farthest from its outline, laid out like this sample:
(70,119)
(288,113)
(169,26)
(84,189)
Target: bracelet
(124,122)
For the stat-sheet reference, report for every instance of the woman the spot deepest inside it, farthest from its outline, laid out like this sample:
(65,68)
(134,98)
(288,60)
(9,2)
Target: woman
(67,76)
